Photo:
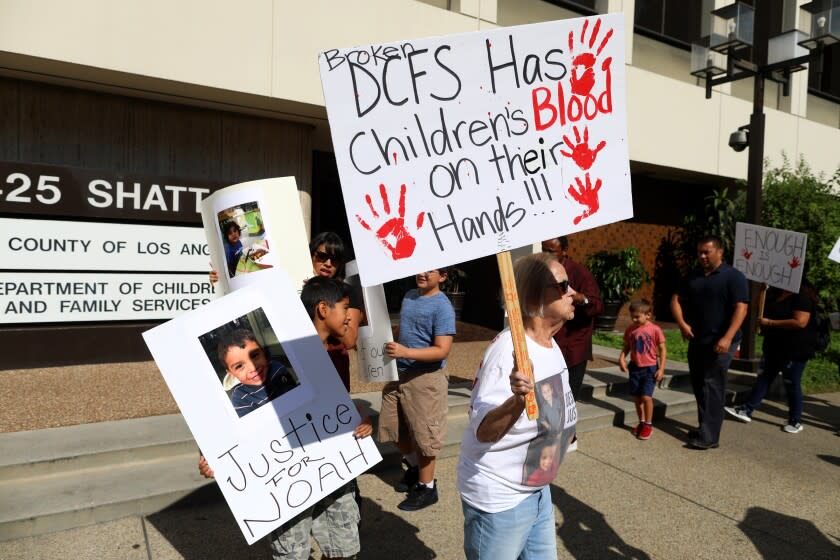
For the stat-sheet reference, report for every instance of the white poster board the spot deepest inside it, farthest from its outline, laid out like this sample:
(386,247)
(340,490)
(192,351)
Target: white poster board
(835,251)
(452,148)
(771,256)
(282,457)
(374,365)
(255,227)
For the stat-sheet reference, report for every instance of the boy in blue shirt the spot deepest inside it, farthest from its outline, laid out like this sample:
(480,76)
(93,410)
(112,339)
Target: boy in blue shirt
(414,409)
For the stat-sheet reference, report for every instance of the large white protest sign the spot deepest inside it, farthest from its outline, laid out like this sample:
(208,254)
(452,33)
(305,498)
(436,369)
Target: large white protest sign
(772,256)
(253,227)
(456,147)
(374,364)
(274,459)
(835,252)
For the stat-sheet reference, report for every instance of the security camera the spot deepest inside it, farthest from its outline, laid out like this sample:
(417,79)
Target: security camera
(739,140)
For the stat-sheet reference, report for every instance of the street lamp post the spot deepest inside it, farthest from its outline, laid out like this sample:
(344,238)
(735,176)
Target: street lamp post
(715,59)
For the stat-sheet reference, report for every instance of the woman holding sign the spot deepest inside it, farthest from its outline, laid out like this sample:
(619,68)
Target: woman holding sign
(504,468)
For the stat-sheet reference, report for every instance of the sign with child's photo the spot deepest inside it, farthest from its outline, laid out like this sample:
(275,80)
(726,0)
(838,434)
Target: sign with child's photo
(253,227)
(245,371)
(452,148)
(775,257)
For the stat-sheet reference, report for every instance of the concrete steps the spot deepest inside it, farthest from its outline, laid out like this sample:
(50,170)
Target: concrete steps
(59,478)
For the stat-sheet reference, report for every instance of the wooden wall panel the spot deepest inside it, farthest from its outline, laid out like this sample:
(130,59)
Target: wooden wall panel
(9,119)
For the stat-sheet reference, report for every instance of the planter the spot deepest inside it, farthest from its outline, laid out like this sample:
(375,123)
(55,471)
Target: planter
(606,320)
(457,301)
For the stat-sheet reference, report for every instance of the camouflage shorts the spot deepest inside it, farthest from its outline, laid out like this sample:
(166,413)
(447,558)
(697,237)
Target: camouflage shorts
(333,522)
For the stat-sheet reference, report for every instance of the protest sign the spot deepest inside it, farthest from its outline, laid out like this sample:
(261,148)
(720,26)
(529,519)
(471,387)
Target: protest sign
(835,252)
(374,365)
(253,227)
(771,256)
(452,148)
(274,459)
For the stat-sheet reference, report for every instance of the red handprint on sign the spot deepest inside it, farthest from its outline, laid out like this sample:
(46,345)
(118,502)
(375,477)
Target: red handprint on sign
(586,195)
(747,254)
(392,234)
(583,75)
(794,262)
(581,153)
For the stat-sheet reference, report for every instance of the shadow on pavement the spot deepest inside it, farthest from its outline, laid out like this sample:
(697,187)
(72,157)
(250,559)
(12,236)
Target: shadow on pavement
(586,534)
(386,536)
(776,535)
(832,459)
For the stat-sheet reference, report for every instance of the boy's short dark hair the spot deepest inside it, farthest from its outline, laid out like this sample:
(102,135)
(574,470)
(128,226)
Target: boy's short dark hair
(640,306)
(236,337)
(318,289)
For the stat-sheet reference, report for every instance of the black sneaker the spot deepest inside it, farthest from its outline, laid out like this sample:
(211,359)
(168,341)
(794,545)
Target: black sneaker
(411,476)
(698,443)
(420,496)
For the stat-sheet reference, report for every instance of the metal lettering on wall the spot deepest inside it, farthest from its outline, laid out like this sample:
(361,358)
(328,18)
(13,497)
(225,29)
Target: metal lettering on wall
(132,271)
(67,191)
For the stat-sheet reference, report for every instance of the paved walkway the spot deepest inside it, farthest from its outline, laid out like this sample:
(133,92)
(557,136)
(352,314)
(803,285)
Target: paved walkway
(763,494)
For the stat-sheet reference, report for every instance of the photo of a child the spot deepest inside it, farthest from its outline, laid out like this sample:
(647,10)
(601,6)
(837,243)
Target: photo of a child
(244,239)
(250,373)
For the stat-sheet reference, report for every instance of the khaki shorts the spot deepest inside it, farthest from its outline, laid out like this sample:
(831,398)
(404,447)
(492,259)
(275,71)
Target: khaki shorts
(415,408)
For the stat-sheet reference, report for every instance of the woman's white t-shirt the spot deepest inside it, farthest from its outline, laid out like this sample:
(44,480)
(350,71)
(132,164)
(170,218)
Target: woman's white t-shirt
(495,477)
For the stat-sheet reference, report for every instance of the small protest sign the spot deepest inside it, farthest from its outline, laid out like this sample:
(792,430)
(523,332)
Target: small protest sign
(452,148)
(374,365)
(253,227)
(771,256)
(245,371)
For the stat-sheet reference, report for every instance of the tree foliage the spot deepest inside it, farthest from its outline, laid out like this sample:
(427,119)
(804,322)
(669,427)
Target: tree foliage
(718,217)
(797,199)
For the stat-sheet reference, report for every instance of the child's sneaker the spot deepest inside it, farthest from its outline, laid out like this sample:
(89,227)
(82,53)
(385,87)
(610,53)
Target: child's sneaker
(411,476)
(645,431)
(636,429)
(419,497)
(793,428)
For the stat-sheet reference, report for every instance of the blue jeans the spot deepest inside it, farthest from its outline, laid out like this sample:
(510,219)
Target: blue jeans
(524,532)
(791,375)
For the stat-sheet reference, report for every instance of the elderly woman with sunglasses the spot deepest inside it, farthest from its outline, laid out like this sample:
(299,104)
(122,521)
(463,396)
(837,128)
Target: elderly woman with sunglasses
(508,513)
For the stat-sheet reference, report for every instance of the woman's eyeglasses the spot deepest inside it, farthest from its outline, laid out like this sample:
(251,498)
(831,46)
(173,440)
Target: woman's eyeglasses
(323,257)
(562,286)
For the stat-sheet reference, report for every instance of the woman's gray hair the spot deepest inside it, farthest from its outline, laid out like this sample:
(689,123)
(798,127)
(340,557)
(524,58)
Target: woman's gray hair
(533,274)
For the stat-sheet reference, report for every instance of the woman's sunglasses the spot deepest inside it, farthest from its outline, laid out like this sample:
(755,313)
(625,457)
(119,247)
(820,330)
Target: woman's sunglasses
(562,286)
(323,257)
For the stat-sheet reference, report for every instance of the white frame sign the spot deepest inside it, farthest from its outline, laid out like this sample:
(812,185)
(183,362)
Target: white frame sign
(770,256)
(452,148)
(374,364)
(284,456)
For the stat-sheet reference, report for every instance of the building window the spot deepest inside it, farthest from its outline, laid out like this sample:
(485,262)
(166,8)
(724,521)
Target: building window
(824,81)
(585,7)
(677,22)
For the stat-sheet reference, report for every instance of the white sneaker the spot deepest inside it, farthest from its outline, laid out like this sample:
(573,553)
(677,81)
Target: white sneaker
(793,428)
(573,446)
(738,412)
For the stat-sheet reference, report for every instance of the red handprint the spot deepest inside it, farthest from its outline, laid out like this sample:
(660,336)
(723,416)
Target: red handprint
(581,153)
(587,195)
(392,234)
(583,83)
(747,254)
(794,262)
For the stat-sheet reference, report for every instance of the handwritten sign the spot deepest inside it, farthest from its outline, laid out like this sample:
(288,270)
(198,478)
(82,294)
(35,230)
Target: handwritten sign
(374,364)
(771,256)
(272,460)
(456,147)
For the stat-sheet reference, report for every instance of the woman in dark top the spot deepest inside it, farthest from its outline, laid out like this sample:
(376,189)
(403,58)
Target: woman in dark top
(789,342)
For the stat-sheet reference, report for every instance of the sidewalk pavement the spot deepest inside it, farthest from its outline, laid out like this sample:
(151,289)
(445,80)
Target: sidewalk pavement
(763,494)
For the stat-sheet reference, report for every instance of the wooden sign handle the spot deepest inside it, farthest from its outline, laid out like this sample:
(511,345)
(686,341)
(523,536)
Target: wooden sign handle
(761,299)
(517,328)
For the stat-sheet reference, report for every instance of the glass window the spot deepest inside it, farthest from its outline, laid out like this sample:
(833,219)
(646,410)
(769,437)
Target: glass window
(586,7)
(677,22)
(825,81)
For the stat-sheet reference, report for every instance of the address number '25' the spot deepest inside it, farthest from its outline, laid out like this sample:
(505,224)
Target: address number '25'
(47,188)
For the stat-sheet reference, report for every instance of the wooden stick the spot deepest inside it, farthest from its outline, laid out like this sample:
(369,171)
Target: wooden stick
(517,328)
(761,297)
